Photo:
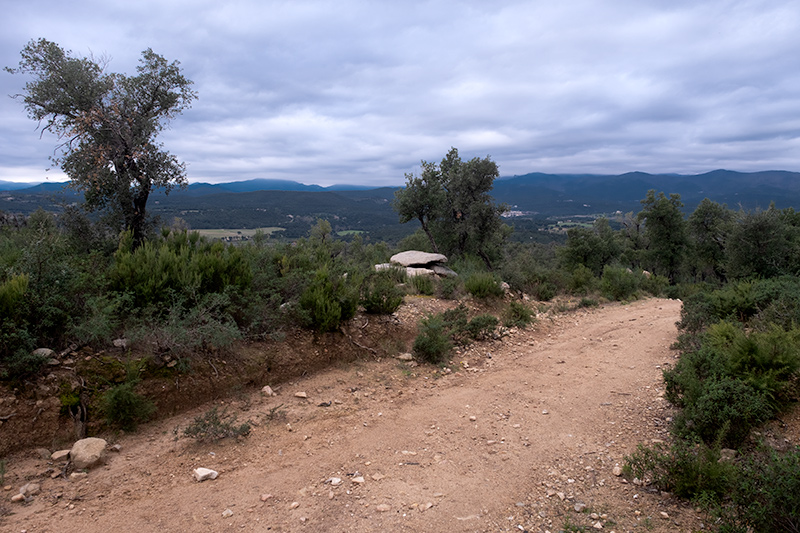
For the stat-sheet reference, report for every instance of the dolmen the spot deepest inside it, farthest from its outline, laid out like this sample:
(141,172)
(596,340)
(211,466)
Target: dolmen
(419,263)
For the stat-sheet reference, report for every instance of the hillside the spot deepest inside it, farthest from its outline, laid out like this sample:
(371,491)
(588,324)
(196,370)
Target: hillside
(294,206)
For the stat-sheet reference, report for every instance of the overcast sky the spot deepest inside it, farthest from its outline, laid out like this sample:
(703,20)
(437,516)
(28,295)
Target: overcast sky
(360,92)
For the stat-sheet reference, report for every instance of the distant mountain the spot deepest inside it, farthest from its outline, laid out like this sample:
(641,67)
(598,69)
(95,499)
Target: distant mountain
(588,194)
(274,202)
(14,185)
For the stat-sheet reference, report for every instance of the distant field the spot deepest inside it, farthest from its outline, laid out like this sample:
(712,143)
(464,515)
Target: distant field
(240,233)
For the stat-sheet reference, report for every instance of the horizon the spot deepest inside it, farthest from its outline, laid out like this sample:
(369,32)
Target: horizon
(562,174)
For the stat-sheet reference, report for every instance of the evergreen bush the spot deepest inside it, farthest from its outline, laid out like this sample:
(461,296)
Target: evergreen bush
(483,285)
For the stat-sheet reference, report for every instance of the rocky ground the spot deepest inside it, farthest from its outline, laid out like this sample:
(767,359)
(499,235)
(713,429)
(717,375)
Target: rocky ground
(525,433)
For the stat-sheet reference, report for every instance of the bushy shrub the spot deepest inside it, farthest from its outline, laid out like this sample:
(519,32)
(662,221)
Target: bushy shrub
(483,285)
(517,315)
(183,332)
(423,284)
(618,283)
(582,281)
(124,408)
(432,344)
(685,469)
(725,411)
(765,495)
(214,426)
(450,287)
(482,327)
(381,295)
(182,264)
(329,300)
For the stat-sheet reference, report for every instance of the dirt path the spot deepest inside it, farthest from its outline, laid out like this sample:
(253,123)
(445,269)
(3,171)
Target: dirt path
(522,431)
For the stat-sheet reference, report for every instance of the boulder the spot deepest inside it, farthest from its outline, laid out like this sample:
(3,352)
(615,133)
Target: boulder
(44,352)
(416,258)
(59,456)
(443,271)
(415,271)
(88,453)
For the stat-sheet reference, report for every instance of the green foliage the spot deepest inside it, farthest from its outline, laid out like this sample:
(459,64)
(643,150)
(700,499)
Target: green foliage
(619,283)
(329,300)
(214,426)
(124,408)
(685,469)
(518,315)
(760,244)
(451,287)
(423,284)
(725,411)
(380,294)
(765,493)
(483,285)
(205,326)
(11,292)
(582,281)
(665,234)
(112,120)
(482,327)
(181,264)
(591,249)
(432,344)
(452,203)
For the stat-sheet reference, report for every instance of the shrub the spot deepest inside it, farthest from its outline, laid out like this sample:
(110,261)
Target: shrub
(688,470)
(450,287)
(482,327)
(765,495)
(618,283)
(381,295)
(214,426)
(725,412)
(582,280)
(124,408)
(483,285)
(329,300)
(432,343)
(517,315)
(423,284)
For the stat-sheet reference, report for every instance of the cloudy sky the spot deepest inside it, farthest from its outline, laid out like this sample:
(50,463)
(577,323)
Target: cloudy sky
(361,91)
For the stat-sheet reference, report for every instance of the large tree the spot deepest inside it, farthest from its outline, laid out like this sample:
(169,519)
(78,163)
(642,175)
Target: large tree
(664,232)
(453,204)
(108,124)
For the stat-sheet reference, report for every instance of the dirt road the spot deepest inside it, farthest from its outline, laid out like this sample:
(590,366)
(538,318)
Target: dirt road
(519,436)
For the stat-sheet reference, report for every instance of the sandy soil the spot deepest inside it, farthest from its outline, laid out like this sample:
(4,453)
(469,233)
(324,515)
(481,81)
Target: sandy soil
(511,439)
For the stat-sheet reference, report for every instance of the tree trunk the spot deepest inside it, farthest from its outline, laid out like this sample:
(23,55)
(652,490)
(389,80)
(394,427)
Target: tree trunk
(139,216)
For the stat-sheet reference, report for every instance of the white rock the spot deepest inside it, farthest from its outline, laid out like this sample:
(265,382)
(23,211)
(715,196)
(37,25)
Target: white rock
(227,513)
(414,257)
(30,489)
(300,395)
(202,474)
(358,479)
(412,272)
(405,357)
(267,391)
(88,453)
(335,481)
(383,507)
(617,470)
